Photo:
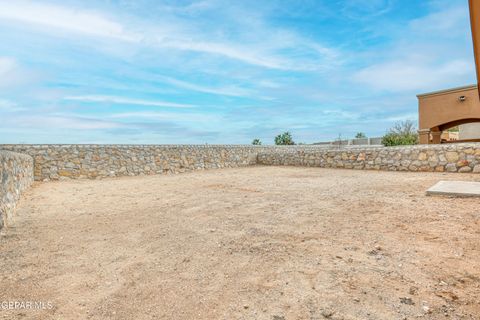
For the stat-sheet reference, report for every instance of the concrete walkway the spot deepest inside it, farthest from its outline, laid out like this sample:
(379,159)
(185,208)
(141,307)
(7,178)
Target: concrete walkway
(456,188)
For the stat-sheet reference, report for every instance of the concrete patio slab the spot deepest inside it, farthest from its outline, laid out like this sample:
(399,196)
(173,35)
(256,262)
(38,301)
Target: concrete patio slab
(455,188)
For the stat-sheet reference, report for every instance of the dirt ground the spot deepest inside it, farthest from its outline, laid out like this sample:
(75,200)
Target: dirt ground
(272,243)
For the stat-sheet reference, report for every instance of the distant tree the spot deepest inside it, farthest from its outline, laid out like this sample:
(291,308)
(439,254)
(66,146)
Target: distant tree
(338,141)
(360,135)
(284,139)
(402,133)
(454,129)
(256,142)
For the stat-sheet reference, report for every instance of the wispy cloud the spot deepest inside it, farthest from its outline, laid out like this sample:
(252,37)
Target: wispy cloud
(226,50)
(426,55)
(64,19)
(402,117)
(60,121)
(171,116)
(366,9)
(223,71)
(177,35)
(6,65)
(9,106)
(12,74)
(411,74)
(233,91)
(127,101)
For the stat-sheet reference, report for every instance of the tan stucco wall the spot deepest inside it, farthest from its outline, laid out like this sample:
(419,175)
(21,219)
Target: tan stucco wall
(442,110)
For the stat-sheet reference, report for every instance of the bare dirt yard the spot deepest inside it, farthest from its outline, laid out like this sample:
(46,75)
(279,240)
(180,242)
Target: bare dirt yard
(272,243)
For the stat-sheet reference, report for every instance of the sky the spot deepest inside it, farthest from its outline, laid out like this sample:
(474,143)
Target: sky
(222,71)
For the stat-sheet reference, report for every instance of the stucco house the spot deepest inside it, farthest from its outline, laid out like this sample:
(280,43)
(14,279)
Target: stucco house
(442,110)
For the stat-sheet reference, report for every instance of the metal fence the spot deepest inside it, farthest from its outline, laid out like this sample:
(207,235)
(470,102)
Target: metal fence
(377,141)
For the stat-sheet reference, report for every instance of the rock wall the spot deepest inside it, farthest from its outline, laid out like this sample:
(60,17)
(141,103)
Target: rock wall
(16,174)
(441,158)
(54,162)
(21,164)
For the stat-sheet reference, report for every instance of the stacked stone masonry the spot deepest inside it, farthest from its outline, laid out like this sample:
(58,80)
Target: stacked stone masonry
(463,158)
(16,174)
(21,164)
(54,162)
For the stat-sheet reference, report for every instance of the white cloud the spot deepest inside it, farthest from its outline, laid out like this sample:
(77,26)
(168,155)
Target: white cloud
(62,122)
(122,100)
(366,9)
(433,52)
(445,20)
(410,74)
(263,50)
(7,65)
(225,91)
(5,104)
(231,51)
(170,116)
(402,117)
(12,74)
(62,19)
(9,106)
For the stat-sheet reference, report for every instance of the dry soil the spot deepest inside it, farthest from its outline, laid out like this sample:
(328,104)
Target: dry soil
(252,243)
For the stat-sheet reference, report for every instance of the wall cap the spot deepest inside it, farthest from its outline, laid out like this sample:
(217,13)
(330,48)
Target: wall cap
(446,91)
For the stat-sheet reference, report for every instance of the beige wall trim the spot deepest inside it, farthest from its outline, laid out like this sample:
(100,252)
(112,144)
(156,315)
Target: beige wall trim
(446,91)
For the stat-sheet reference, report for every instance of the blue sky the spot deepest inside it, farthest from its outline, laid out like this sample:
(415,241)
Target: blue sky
(218,71)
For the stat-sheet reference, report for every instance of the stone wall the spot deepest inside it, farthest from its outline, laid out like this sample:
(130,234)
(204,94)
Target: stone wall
(20,164)
(440,158)
(54,162)
(16,174)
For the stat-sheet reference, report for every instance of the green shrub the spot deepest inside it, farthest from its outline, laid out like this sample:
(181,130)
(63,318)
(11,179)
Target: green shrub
(402,133)
(256,142)
(392,139)
(360,135)
(284,139)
